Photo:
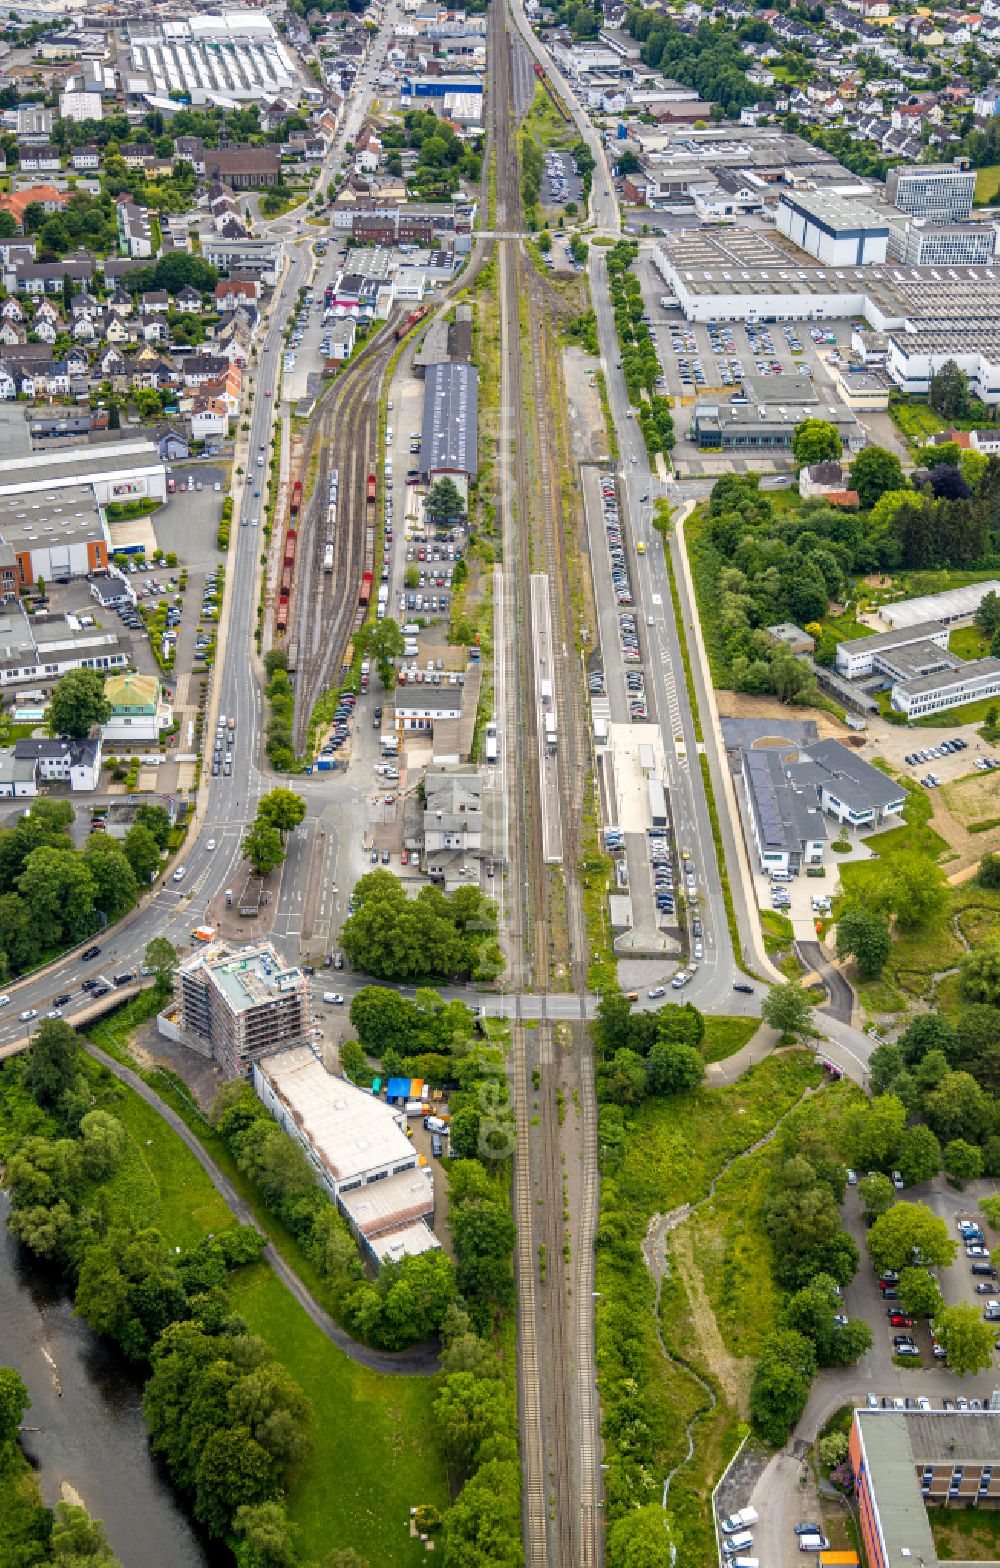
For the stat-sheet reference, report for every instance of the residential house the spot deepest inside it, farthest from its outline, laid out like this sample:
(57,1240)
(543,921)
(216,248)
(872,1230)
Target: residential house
(85,160)
(139,710)
(208,419)
(44,196)
(39,160)
(231,292)
(174,446)
(188,301)
(61,761)
(155,299)
(198,368)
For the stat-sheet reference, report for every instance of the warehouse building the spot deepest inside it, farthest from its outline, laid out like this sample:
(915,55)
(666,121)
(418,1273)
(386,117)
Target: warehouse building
(237,1004)
(449,441)
(943,191)
(920,243)
(839,232)
(359,1149)
(947,608)
(214,58)
(116,471)
(904,1461)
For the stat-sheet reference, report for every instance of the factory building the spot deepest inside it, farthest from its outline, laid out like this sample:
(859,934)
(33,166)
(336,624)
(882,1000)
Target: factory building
(358,1148)
(942,191)
(52,534)
(212,58)
(237,1004)
(920,243)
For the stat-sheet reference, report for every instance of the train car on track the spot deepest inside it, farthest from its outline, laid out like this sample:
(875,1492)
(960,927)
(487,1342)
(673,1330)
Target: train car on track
(281,620)
(365,596)
(296,502)
(411,321)
(293,657)
(328,556)
(371,489)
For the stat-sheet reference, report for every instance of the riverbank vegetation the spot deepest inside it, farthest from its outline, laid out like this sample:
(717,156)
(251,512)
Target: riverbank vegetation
(103,1189)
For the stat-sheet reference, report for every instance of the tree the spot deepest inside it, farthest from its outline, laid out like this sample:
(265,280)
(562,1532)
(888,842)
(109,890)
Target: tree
(482,1529)
(52,1062)
(674,1068)
(877,1194)
(142,853)
(78,703)
(467,1410)
(282,808)
(14,1401)
(963,1161)
(815,441)
(979,973)
(641,1538)
(958,1108)
(864,934)
(814,1311)
(382,641)
(156,819)
(483,1234)
(445,501)
(233,1472)
(966,1340)
(780,1384)
(57,886)
(788,1009)
(265,1538)
(161,957)
(914,888)
(623,1079)
(909,1231)
(949,390)
(78,1540)
(919,1157)
(928,1032)
(103,1141)
(263,847)
(113,876)
(949,483)
(919,1292)
(987,618)
(875,473)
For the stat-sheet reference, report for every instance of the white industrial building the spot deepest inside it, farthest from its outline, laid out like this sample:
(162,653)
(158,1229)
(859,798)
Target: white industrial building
(117,471)
(219,58)
(359,1149)
(43,647)
(943,191)
(963,681)
(838,231)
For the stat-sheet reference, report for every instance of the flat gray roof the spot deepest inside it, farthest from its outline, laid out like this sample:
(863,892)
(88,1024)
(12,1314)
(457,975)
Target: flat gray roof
(892,1476)
(973,669)
(449,436)
(835,767)
(784,815)
(40,518)
(952,603)
(913,632)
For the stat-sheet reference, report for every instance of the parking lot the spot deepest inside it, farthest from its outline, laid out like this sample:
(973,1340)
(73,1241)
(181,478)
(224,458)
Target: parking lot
(560,182)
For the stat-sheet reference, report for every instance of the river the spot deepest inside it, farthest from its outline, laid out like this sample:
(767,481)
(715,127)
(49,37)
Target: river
(92,1441)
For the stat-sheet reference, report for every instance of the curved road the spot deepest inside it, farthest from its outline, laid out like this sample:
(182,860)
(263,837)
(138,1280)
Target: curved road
(420,1361)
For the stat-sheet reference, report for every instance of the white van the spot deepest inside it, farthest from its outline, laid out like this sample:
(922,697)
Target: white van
(737,1543)
(813,1543)
(410,648)
(746,1562)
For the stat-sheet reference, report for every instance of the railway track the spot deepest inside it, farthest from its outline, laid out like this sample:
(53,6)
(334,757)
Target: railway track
(325,611)
(558,1414)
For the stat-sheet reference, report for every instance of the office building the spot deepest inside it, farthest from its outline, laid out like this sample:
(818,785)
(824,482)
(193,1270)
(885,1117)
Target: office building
(42,647)
(942,191)
(786,823)
(904,1460)
(849,789)
(921,243)
(859,656)
(238,1004)
(245,258)
(358,1148)
(949,687)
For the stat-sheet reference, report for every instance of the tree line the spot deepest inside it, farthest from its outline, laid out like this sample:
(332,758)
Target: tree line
(710,59)
(396,937)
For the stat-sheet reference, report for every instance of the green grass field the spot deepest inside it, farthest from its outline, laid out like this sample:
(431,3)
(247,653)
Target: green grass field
(372,1457)
(725,1036)
(968,642)
(987,184)
(917,421)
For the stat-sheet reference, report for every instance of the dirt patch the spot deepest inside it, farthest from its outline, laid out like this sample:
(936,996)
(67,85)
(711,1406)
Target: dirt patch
(975,799)
(741,705)
(732,1372)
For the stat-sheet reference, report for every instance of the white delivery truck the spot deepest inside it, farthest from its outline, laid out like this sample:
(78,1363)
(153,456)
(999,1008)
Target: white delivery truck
(741,1520)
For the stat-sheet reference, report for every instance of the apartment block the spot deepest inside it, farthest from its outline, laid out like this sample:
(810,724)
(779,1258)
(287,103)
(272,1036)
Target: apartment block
(238,1004)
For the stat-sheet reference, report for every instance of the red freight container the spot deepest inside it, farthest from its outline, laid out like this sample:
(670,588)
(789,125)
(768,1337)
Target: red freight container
(296,498)
(365,596)
(371,489)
